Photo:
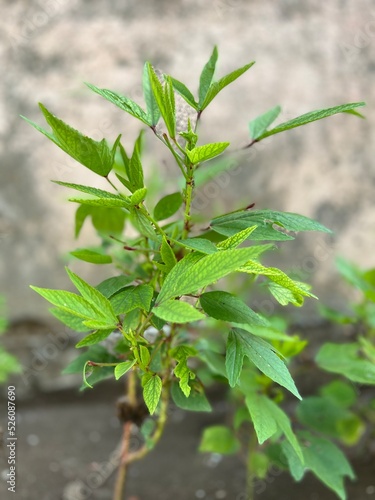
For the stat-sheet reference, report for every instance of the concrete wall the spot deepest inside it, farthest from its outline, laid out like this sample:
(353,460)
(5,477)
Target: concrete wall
(309,55)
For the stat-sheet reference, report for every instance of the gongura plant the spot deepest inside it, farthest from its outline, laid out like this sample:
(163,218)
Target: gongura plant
(164,319)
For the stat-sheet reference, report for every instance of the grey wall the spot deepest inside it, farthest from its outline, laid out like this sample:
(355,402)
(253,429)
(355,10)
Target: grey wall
(309,55)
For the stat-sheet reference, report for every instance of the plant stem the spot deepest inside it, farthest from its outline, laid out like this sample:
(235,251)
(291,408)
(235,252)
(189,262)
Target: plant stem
(249,473)
(121,475)
(188,199)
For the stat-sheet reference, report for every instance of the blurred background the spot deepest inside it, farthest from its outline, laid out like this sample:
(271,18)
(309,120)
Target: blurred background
(309,55)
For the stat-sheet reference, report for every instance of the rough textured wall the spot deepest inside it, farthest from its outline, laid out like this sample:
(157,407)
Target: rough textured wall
(309,55)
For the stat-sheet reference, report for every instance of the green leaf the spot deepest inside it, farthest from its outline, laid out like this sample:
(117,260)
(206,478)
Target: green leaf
(71,320)
(352,274)
(118,201)
(112,285)
(265,219)
(185,93)
(70,302)
(95,337)
(219,439)
(135,169)
(263,355)
(109,221)
(167,206)
(346,360)
(96,156)
(296,467)
(90,256)
(327,462)
(227,307)
(234,359)
(328,417)
(298,289)
(93,296)
(194,271)
(168,256)
(218,86)
(340,392)
(176,311)
(152,387)
(236,240)
(310,117)
(123,103)
(153,111)
(123,368)
(199,244)
(207,76)
(206,152)
(144,356)
(96,353)
(164,98)
(133,297)
(143,224)
(182,371)
(268,418)
(138,196)
(261,123)
(197,400)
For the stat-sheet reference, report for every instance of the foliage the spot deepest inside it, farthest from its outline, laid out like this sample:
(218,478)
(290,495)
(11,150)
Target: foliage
(170,276)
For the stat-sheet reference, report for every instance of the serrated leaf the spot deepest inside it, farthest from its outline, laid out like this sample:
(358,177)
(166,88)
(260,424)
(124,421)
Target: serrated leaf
(152,107)
(95,298)
(327,462)
(261,123)
(265,219)
(310,117)
(346,360)
(138,196)
(185,93)
(94,338)
(134,168)
(236,240)
(207,76)
(219,439)
(234,359)
(152,387)
(70,302)
(176,311)
(123,103)
(167,206)
(131,298)
(96,156)
(227,307)
(263,355)
(90,256)
(123,368)
(268,418)
(196,401)
(194,272)
(199,244)
(203,153)
(182,371)
(299,290)
(218,86)
(168,256)
(144,356)
(112,285)
(164,98)
(143,224)
(264,423)
(71,320)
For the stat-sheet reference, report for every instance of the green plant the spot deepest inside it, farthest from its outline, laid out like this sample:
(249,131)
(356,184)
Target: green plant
(164,300)
(8,363)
